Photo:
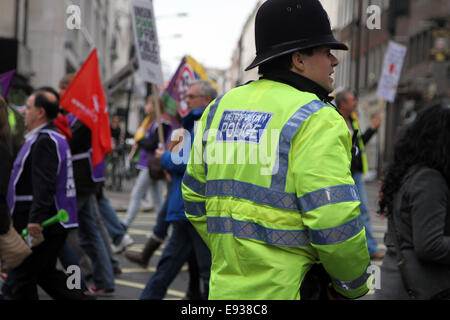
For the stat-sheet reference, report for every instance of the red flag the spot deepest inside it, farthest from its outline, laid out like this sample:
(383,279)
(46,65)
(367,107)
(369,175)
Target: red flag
(85,99)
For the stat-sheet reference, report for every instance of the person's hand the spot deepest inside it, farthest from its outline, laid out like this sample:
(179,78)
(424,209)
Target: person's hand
(159,153)
(333,295)
(376,122)
(35,231)
(133,151)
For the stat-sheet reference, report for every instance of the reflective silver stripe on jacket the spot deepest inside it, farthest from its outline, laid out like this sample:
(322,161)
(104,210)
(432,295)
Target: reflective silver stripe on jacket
(23,198)
(325,196)
(80,156)
(353,284)
(209,119)
(286,135)
(337,234)
(251,230)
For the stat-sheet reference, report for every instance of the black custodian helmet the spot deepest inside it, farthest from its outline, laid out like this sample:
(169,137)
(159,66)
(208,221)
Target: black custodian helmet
(285,26)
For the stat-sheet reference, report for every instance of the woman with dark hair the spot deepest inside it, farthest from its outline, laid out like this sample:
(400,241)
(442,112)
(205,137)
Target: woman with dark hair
(416,200)
(5,165)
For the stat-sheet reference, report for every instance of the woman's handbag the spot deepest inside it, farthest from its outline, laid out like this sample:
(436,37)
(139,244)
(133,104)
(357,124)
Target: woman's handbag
(155,170)
(13,249)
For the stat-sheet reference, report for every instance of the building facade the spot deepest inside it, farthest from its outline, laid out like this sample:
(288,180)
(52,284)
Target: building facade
(423,28)
(367,26)
(45,39)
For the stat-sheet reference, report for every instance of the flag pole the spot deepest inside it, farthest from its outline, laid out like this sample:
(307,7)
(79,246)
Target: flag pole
(381,105)
(158,116)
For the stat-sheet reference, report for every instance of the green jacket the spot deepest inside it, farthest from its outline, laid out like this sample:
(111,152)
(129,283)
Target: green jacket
(275,195)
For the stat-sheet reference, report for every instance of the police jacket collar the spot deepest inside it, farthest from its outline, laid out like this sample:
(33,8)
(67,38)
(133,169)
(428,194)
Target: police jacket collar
(299,82)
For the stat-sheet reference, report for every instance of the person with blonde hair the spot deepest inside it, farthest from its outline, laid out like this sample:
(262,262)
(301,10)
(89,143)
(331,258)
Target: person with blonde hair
(147,141)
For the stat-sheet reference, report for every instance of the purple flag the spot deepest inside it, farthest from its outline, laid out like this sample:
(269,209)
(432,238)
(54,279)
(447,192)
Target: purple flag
(188,70)
(5,82)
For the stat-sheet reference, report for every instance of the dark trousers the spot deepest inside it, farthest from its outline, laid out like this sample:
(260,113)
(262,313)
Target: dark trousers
(40,269)
(183,241)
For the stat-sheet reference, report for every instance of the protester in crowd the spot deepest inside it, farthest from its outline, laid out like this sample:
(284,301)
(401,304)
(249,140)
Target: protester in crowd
(17,128)
(116,131)
(147,145)
(416,200)
(67,256)
(118,233)
(13,250)
(160,231)
(40,185)
(347,104)
(6,161)
(267,223)
(89,236)
(184,238)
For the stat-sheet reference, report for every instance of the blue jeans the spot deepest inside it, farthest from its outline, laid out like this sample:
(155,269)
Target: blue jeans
(112,223)
(161,226)
(67,257)
(143,184)
(92,243)
(183,240)
(365,212)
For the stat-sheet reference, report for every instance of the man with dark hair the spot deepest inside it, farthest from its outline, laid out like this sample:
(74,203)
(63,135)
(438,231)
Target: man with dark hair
(41,183)
(268,184)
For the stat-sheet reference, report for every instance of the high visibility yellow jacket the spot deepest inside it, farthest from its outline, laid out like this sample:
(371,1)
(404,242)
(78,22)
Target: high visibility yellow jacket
(275,195)
(355,126)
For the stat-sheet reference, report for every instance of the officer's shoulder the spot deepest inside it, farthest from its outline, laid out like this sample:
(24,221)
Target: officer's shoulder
(324,110)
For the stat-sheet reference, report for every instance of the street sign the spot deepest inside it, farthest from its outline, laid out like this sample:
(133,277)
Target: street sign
(392,67)
(146,41)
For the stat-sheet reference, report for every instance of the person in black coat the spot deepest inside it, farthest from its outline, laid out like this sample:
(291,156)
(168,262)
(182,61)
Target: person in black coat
(416,199)
(89,236)
(36,184)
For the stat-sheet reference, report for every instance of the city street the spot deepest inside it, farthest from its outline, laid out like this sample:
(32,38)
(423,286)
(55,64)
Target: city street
(110,94)
(131,282)
(133,279)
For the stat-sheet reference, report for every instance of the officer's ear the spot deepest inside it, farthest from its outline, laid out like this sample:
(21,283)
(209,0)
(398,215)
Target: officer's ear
(298,63)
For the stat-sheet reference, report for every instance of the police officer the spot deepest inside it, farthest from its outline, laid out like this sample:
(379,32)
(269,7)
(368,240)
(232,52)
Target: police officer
(275,196)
